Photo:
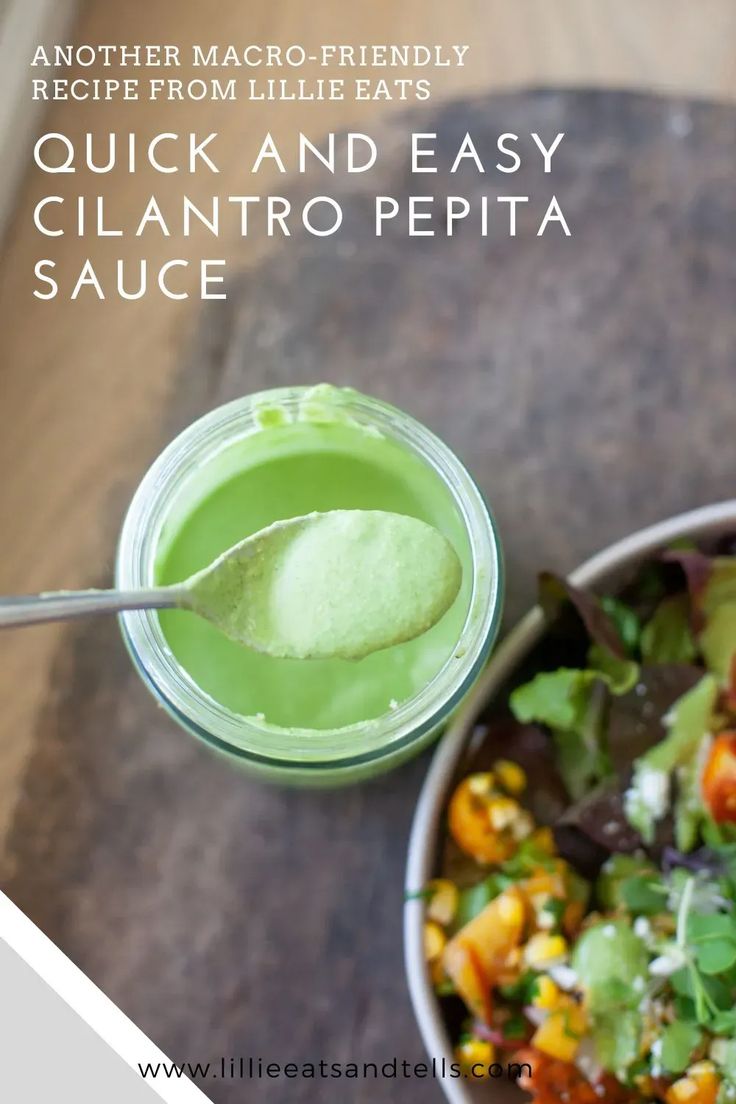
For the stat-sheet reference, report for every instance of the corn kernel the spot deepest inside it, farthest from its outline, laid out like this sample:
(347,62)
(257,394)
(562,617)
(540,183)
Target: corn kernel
(543,949)
(523,826)
(547,995)
(646,1085)
(700,1085)
(545,840)
(704,1068)
(511,776)
(481,784)
(510,910)
(685,1089)
(705,1077)
(503,812)
(442,901)
(434,941)
(542,906)
(474,1052)
(510,969)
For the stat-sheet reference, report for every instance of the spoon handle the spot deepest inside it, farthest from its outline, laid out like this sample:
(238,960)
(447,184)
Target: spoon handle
(32,609)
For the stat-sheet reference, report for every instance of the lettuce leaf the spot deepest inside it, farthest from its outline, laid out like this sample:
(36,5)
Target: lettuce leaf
(572,704)
(711,584)
(647,799)
(718,640)
(667,637)
(600,624)
(557,699)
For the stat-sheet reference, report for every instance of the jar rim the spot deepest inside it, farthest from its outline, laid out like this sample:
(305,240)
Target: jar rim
(251,738)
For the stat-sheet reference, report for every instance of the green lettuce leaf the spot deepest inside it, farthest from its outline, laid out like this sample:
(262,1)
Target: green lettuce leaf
(720,587)
(718,640)
(689,721)
(621,675)
(572,704)
(712,587)
(647,799)
(557,699)
(667,637)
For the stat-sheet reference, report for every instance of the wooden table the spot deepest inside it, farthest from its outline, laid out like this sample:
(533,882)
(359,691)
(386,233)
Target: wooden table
(88,392)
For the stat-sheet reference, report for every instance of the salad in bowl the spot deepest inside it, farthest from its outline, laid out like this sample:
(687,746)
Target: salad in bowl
(580,932)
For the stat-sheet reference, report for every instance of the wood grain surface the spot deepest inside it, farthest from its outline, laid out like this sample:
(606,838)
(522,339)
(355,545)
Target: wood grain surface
(588,383)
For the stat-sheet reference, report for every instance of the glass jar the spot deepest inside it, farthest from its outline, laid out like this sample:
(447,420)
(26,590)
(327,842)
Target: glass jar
(197,460)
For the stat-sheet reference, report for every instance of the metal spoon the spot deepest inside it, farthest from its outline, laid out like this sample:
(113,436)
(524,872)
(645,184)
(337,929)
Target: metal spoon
(317,568)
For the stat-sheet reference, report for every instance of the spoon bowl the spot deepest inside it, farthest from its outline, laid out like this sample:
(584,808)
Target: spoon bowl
(340,584)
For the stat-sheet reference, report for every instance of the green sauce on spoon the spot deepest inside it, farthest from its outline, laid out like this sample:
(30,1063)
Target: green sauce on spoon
(341,584)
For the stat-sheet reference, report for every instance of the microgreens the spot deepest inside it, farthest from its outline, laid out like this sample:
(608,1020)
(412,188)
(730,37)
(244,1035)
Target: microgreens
(555,908)
(679,1040)
(706,946)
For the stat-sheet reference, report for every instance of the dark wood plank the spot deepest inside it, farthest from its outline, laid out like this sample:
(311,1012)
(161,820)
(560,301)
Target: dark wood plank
(589,385)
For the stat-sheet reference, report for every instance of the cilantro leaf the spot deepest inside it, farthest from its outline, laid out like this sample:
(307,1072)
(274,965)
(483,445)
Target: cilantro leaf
(474,899)
(521,991)
(716,956)
(679,1040)
(713,939)
(643,894)
(515,1027)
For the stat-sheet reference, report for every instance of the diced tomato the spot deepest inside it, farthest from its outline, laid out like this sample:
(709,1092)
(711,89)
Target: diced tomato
(553,1081)
(470,824)
(719,778)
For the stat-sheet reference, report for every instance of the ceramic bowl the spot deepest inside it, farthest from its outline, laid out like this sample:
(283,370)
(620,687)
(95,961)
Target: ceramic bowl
(603,571)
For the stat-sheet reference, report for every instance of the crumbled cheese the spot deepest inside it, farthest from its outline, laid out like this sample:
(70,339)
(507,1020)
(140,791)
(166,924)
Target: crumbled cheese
(536,1016)
(544,918)
(523,826)
(654,790)
(647,799)
(656,1055)
(718,1051)
(564,976)
(666,964)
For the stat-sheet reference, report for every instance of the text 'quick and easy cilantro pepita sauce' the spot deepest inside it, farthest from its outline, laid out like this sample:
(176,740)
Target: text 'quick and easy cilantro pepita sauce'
(291,453)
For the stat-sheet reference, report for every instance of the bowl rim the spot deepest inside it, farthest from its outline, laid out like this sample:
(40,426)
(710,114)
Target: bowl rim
(701,522)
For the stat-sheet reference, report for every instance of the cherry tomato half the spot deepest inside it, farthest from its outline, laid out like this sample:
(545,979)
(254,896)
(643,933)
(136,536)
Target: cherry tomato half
(719,779)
